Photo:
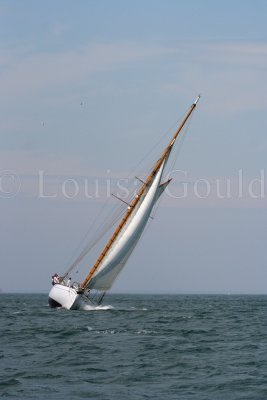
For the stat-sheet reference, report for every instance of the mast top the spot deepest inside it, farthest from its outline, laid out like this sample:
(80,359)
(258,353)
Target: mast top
(196,101)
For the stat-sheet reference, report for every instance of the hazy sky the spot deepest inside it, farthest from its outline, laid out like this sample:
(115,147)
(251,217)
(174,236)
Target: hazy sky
(87,89)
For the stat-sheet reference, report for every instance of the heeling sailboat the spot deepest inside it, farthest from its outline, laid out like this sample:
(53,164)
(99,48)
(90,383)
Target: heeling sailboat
(123,240)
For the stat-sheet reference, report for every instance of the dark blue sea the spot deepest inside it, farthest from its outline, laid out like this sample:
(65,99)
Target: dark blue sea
(135,347)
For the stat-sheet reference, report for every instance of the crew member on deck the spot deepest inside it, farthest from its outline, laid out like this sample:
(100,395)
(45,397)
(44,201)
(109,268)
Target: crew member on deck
(69,282)
(55,279)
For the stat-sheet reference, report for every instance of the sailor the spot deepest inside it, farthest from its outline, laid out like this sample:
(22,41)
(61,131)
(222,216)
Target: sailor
(55,279)
(69,282)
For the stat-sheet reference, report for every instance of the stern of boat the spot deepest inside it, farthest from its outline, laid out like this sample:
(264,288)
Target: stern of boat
(65,297)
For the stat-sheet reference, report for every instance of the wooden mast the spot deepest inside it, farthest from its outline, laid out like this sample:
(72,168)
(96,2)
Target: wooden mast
(137,197)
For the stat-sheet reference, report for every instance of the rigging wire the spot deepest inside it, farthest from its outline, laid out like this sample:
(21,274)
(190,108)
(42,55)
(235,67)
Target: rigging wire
(85,236)
(180,143)
(105,227)
(93,242)
(174,159)
(149,152)
(147,166)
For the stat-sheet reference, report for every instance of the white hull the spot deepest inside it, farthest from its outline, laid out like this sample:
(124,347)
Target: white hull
(66,297)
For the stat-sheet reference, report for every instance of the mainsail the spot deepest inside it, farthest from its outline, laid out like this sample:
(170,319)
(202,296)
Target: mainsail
(127,238)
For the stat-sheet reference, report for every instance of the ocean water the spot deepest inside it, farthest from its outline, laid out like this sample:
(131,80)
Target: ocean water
(135,347)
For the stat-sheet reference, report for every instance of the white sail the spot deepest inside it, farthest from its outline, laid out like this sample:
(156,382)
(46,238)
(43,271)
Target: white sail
(127,239)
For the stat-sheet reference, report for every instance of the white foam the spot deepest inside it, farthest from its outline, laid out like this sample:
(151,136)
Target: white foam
(104,308)
(88,307)
(146,332)
(102,332)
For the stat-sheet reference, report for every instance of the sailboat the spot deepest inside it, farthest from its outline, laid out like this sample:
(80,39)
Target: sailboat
(122,242)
